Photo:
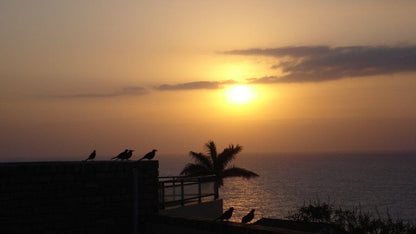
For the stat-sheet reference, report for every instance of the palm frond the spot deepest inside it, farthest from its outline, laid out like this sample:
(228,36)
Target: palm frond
(239,172)
(212,150)
(192,169)
(228,155)
(201,159)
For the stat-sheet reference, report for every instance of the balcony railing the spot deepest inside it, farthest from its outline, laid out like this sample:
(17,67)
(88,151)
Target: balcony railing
(181,190)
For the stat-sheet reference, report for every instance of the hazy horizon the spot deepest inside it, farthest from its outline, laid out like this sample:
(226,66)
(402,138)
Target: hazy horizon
(185,157)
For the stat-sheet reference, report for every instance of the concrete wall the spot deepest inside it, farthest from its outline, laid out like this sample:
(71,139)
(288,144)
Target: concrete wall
(77,197)
(208,210)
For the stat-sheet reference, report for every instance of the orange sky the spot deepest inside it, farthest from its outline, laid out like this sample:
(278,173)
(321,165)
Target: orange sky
(102,75)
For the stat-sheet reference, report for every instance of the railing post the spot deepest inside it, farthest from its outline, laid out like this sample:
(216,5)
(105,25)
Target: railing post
(162,195)
(174,189)
(216,190)
(170,198)
(182,194)
(199,190)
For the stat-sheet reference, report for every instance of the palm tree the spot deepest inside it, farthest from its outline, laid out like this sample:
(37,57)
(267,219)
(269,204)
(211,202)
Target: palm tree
(216,164)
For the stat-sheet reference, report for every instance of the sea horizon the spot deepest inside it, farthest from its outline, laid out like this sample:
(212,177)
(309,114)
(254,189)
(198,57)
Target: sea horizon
(162,155)
(383,183)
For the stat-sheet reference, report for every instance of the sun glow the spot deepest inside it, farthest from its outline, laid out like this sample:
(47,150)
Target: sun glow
(239,94)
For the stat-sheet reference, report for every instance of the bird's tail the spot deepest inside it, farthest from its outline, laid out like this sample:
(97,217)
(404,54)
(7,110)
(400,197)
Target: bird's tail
(114,157)
(141,159)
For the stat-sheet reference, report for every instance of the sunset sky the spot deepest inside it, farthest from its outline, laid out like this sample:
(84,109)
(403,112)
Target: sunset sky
(273,76)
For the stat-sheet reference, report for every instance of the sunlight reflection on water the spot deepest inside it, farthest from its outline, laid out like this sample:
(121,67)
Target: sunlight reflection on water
(371,181)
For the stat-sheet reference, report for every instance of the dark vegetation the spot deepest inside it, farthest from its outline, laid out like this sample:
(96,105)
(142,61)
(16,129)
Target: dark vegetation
(353,220)
(214,163)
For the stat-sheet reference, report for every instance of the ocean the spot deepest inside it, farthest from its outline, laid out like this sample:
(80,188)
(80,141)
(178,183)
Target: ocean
(375,182)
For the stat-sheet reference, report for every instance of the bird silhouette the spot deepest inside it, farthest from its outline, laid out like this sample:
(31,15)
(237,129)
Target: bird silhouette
(91,157)
(226,215)
(248,217)
(128,154)
(122,155)
(149,155)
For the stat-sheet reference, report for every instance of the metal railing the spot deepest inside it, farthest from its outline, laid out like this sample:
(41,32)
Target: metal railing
(182,190)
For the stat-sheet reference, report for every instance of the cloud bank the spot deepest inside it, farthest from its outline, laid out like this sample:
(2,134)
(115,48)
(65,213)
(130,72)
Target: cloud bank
(194,85)
(324,63)
(128,91)
(300,64)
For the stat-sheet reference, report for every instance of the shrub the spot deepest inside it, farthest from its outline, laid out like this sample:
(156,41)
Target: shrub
(353,220)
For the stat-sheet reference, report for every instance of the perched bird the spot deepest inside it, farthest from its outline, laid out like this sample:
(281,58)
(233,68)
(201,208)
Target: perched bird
(248,217)
(92,156)
(122,155)
(149,155)
(128,154)
(226,215)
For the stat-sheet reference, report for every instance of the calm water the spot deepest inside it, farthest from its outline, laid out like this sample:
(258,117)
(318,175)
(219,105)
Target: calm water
(373,181)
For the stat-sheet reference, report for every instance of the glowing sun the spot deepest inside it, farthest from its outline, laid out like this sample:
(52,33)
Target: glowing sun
(239,94)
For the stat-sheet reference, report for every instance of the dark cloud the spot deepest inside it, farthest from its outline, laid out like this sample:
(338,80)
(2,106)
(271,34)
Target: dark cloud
(296,51)
(128,91)
(323,63)
(194,85)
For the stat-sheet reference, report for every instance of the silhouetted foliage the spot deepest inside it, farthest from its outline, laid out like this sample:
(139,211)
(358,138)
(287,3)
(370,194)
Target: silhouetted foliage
(216,164)
(350,220)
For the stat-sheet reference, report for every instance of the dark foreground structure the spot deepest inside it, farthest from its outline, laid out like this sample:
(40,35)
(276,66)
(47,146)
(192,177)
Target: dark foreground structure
(77,197)
(122,197)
